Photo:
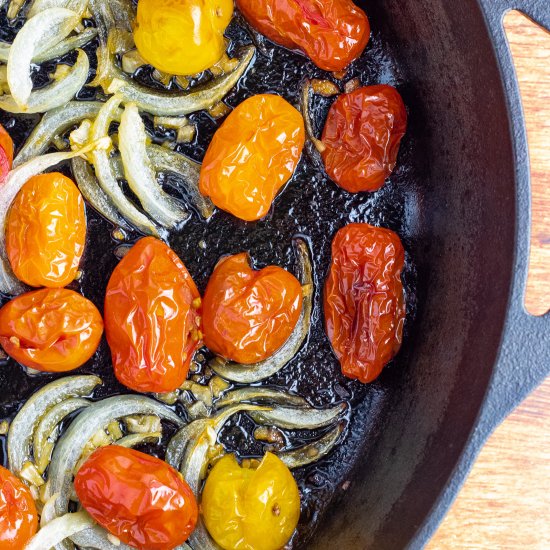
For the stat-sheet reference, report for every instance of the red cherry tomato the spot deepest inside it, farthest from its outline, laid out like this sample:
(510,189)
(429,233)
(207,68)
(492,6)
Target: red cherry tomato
(46,231)
(138,498)
(364,300)
(332,33)
(252,156)
(6,153)
(152,318)
(18,517)
(362,135)
(248,315)
(51,330)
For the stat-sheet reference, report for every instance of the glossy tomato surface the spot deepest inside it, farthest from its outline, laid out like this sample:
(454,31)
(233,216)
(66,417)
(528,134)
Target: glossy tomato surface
(138,498)
(332,33)
(249,314)
(364,300)
(252,156)
(51,330)
(362,135)
(6,153)
(18,517)
(46,231)
(182,37)
(247,509)
(152,318)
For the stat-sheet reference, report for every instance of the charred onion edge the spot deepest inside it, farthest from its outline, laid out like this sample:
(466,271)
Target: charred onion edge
(23,425)
(320,147)
(260,394)
(248,374)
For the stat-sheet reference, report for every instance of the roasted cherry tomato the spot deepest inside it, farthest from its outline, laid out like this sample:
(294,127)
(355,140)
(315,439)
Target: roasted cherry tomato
(362,135)
(46,231)
(247,509)
(18,517)
(182,37)
(6,153)
(364,299)
(248,315)
(51,330)
(252,155)
(138,498)
(332,33)
(152,318)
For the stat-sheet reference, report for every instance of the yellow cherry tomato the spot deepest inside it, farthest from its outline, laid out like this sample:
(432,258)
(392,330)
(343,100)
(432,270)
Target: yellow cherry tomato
(182,37)
(251,509)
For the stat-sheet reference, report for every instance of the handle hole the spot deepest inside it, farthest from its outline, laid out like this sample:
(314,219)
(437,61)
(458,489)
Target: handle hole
(530,45)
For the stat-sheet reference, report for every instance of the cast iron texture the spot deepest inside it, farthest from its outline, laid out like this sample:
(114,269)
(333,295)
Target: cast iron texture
(477,352)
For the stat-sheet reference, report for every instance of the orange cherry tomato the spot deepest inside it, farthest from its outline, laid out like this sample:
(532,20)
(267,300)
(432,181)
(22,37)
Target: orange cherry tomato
(248,315)
(332,33)
(6,153)
(46,231)
(152,318)
(18,517)
(138,498)
(364,299)
(252,156)
(51,330)
(362,135)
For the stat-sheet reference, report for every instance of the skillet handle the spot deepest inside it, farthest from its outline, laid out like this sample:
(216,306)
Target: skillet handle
(524,359)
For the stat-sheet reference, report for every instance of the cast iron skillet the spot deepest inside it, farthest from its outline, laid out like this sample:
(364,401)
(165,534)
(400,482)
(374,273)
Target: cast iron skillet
(459,200)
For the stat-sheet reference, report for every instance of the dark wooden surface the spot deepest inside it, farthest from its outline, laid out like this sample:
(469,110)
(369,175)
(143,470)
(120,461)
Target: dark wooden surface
(505,503)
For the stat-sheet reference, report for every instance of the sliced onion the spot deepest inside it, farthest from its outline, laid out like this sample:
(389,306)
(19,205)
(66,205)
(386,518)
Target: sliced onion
(48,424)
(94,194)
(70,446)
(133,440)
(140,173)
(299,419)
(183,103)
(249,374)
(11,186)
(48,511)
(55,123)
(310,131)
(261,395)
(179,442)
(97,537)
(40,33)
(40,6)
(58,93)
(23,425)
(107,178)
(59,529)
(312,452)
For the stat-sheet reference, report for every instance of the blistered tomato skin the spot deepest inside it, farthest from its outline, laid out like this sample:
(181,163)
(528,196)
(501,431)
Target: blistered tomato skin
(248,315)
(51,330)
(246,509)
(362,136)
(332,33)
(138,498)
(182,37)
(252,156)
(18,517)
(152,318)
(46,231)
(364,301)
(6,153)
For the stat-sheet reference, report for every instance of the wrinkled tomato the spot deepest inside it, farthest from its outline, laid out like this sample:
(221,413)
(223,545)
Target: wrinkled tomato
(138,498)
(248,315)
(6,153)
(362,135)
(251,509)
(252,156)
(152,318)
(46,231)
(364,300)
(182,37)
(51,330)
(18,517)
(331,33)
